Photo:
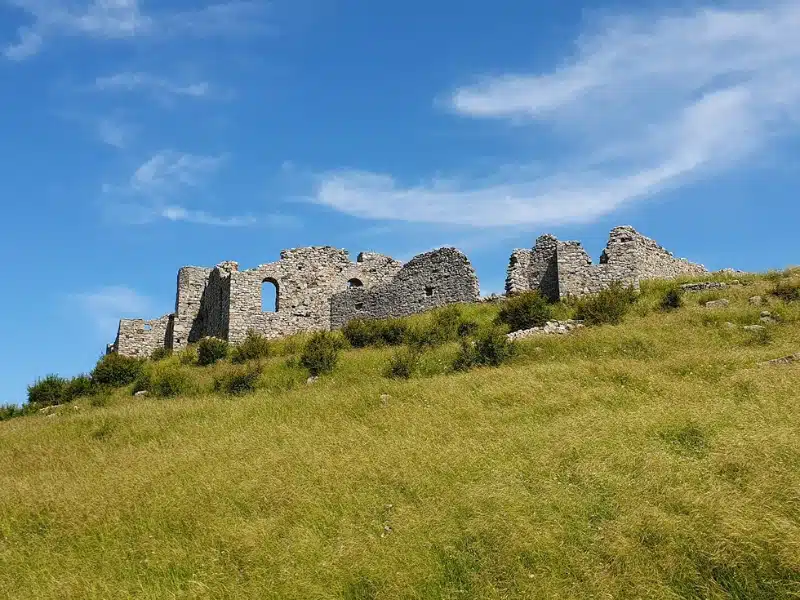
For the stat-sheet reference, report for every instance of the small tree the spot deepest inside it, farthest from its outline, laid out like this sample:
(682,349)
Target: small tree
(254,346)
(116,370)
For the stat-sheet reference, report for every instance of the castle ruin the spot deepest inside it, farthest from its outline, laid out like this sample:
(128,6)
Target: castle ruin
(321,288)
(560,269)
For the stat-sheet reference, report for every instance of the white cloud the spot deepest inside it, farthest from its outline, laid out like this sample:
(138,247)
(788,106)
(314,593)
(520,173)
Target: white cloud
(646,103)
(126,19)
(105,306)
(144,81)
(113,133)
(151,192)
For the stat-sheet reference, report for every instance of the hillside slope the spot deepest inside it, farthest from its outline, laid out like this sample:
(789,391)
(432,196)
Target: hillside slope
(653,459)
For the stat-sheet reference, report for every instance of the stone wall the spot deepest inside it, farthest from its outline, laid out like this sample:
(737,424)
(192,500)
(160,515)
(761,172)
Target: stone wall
(139,338)
(433,279)
(306,279)
(192,283)
(560,269)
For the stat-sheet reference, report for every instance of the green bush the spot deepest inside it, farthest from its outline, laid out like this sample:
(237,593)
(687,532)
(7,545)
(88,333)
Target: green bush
(467,329)
(446,325)
(608,307)
(524,311)
(238,381)
(188,356)
(254,346)
(671,299)
(492,348)
(321,353)
(211,350)
(788,291)
(115,370)
(10,411)
(361,333)
(79,386)
(160,354)
(403,363)
(166,381)
(48,391)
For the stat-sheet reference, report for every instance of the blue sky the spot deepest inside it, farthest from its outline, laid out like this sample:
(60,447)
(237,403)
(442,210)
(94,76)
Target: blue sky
(142,136)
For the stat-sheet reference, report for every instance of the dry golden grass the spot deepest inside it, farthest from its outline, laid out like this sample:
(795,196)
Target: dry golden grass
(655,459)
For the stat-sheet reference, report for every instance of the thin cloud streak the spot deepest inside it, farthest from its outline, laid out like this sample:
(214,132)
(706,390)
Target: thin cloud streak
(130,82)
(126,19)
(646,104)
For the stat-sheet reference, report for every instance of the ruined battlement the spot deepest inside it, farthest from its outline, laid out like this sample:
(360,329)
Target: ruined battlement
(321,288)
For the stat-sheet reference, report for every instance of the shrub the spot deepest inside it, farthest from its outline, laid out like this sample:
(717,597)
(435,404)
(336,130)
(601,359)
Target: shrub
(788,291)
(188,356)
(160,354)
(10,411)
(253,347)
(211,350)
(467,329)
(491,348)
(321,353)
(366,332)
(525,311)
(672,299)
(48,391)
(446,325)
(403,363)
(608,307)
(115,370)
(78,387)
(238,381)
(164,381)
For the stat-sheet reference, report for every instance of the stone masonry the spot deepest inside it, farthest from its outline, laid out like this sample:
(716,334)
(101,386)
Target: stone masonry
(436,278)
(561,269)
(320,288)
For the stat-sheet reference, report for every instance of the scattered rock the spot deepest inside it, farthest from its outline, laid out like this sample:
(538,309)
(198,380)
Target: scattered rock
(766,313)
(549,328)
(721,303)
(385,399)
(312,380)
(142,393)
(48,410)
(730,325)
(754,328)
(702,286)
(755,300)
(786,360)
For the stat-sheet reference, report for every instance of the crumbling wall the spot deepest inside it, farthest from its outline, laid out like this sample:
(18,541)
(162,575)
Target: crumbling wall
(192,282)
(306,279)
(139,338)
(560,269)
(427,281)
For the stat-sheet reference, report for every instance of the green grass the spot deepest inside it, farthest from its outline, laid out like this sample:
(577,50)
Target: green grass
(653,459)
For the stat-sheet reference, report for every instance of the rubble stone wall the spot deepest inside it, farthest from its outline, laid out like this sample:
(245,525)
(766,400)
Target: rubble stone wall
(433,279)
(139,338)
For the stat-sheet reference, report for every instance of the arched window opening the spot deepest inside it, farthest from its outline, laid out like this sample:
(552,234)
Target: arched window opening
(269,296)
(148,327)
(355,283)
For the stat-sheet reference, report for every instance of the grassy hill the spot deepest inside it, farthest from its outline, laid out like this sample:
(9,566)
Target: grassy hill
(657,458)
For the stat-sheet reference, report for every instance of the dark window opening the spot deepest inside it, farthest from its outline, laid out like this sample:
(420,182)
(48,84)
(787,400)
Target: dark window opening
(355,283)
(148,327)
(429,291)
(269,296)
(359,306)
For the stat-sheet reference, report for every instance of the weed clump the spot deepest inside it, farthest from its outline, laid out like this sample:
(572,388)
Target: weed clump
(254,347)
(188,356)
(607,307)
(403,363)
(79,386)
(11,411)
(211,350)
(446,325)
(525,311)
(115,370)
(321,353)
(492,348)
(164,382)
(672,299)
(238,381)
(788,291)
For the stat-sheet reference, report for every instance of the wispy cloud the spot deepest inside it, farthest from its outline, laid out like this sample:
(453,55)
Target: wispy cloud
(126,19)
(155,186)
(646,102)
(145,82)
(106,305)
(113,132)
